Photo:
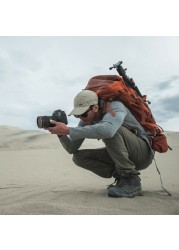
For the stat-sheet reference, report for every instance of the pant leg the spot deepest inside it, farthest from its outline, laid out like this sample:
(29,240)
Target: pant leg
(96,160)
(129,152)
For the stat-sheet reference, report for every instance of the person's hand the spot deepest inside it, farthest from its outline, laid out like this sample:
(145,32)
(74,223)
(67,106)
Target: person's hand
(59,129)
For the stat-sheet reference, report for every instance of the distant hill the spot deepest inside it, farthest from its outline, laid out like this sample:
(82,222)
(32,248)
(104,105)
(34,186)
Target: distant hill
(12,138)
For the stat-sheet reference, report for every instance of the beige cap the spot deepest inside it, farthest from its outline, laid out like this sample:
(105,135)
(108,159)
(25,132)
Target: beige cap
(83,101)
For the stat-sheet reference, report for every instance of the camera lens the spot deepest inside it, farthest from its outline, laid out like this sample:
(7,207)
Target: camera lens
(58,115)
(44,122)
(40,122)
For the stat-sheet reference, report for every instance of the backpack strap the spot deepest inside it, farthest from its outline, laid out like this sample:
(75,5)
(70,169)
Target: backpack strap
(105,107)
(113,113)
(142,113)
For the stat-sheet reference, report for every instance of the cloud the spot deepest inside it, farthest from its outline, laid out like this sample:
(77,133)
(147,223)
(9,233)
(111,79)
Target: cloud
(170,104)
(165,108)
(167,84)
(41,74)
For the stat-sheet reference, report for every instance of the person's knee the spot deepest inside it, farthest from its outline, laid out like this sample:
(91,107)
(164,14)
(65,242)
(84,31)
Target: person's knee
(77,158)
(118,134)
(122,130)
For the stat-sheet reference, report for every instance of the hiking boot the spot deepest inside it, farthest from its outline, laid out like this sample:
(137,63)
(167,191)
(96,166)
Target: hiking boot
(126,186)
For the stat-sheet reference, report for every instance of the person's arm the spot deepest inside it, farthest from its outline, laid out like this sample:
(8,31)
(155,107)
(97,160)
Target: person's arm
(71,146)
(62,131)
(104,129)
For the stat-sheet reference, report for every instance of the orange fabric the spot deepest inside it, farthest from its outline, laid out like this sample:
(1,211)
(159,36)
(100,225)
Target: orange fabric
(113,87)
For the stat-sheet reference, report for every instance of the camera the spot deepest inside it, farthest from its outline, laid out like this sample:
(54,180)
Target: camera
(58,116)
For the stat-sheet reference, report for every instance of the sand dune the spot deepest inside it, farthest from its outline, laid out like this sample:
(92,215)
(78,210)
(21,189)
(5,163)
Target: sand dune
(16,139)
(38,177)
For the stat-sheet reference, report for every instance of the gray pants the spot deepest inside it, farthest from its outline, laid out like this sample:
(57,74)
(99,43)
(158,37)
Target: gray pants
(124,153)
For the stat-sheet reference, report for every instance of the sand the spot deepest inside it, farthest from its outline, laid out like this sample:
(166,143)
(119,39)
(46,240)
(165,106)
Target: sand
(38,177)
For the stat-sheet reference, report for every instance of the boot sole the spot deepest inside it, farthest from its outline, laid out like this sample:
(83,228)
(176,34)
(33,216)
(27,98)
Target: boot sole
(112,193)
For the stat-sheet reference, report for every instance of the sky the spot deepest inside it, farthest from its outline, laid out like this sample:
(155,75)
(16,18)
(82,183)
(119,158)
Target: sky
(39,74)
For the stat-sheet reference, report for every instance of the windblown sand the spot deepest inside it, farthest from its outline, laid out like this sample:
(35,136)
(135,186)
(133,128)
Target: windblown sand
(37,176)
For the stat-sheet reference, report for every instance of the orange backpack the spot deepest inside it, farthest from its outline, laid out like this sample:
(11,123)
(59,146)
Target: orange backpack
(113,87)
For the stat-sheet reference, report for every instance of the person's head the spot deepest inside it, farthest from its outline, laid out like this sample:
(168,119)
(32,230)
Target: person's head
(85,106)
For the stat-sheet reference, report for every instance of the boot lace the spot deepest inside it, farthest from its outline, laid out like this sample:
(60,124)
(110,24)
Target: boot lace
(119,182)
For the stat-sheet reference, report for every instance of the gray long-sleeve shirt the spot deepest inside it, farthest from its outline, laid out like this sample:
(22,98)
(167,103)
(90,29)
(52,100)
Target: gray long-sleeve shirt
(106,128)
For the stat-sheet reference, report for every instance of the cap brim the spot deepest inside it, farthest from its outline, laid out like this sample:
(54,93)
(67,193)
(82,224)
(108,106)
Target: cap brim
(79,110)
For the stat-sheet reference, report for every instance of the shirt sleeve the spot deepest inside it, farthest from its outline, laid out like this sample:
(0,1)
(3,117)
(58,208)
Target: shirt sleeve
(106,128)
(71,145)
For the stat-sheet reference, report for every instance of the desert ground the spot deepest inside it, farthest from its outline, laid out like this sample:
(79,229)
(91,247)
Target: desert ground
(38,177)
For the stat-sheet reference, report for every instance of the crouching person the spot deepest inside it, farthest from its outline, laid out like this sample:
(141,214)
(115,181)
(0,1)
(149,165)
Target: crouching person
(126,152)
